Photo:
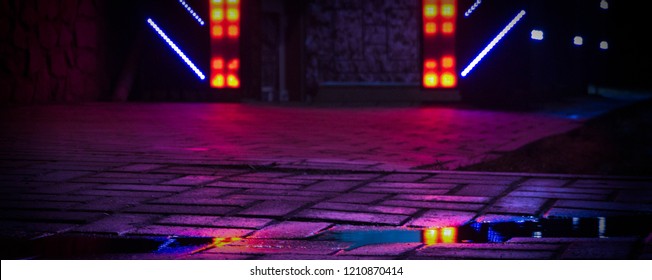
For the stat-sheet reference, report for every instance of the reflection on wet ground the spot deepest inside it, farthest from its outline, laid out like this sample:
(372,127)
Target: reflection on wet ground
(99,247)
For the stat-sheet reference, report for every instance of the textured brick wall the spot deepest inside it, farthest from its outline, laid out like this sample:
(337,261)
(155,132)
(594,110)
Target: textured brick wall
(49,50)
(362,41)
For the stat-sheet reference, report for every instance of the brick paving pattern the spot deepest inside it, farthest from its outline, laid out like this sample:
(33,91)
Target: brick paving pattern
(269,190)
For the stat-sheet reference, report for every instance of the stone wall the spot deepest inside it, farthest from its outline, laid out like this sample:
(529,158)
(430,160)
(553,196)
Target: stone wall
(50,50)
(373,41)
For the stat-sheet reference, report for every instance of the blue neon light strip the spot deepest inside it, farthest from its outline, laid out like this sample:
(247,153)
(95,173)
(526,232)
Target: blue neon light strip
(493,43)
(192,13)
(472,8)
(176,49)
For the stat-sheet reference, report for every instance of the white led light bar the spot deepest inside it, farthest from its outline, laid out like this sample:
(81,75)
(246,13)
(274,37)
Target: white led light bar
(176,49)
(472,8)
(493,43)
(192,13)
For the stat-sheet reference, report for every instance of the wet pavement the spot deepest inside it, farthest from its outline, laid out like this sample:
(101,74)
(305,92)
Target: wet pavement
(237,181)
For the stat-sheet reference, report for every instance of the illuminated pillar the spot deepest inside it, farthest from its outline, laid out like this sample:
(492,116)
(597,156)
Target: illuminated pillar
(225,43)
(439,59)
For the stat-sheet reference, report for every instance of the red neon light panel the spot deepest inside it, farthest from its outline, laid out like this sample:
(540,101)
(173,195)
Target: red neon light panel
(439,27)
(225,43)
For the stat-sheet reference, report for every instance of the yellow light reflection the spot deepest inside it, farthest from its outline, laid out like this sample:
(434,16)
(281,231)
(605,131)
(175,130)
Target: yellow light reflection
(233,14)
(430,236)
(447,10)
(430,11)
(448,235)
(222,241)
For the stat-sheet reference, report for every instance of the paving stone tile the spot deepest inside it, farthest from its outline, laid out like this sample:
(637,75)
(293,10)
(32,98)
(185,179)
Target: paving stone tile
(544,182)
(616,206)
(184,200)
(270,246)
(358,197)
(192,180)
(110,204)
(33,229)
(273,208)
(290,230)
(434,205)
(139,167)
(213,221)
(207,192)
(209,256)
(402,177)
(34,198)
(401,191)
(147,188)
(50,216)
(60,176)
(123,193)
(106,180)
(444,198)
(247,185)
(583,213)
(565,190)
(382,249)
(317,257)
(341,216)
(566,240)
(518,205)
(482,190)
(333,186)
(442,218)
(507,251)
(598,251)
(190,231)
(116,224)
(345,177)
(29,204)
(365,208)
(559,195)
(399,185)
(251,197)
(181,209)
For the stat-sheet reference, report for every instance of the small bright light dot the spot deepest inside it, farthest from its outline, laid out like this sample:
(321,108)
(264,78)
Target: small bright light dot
(604,45)
(604,4)
(578,40)
(537,35)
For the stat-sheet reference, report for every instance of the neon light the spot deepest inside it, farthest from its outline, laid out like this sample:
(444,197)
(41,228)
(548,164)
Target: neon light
(448,10)
(493,43)
(234,64)
(232,81)
(447,62)
(217,31)
(447,28)
(448,80)
(232,14)
(430,79)
(431,28)
(217,15)
(604,5)
(218,63)
(578,40)
(536,35)
(430,64)
(430,11)
(604,45)
(472,8)
(218,81)
(234,31)
(176,49)
(192,13)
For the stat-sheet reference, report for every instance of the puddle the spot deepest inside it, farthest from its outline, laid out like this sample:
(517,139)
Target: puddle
(492,232)
(148,247)
(89,247)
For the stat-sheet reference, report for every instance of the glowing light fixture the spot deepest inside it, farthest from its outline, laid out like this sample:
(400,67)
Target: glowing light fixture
(604,5)
(176,49)
(438,51)
(604,45)
(225,43)
(471,9)
(192,12)
(493,43)
(430,236)
(578,40)
(448,235)
(536,35)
